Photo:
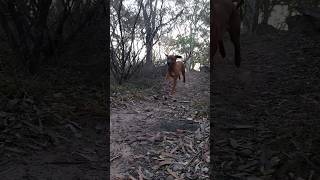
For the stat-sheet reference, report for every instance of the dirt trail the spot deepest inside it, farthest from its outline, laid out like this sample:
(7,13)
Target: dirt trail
(146,121)
(266,113)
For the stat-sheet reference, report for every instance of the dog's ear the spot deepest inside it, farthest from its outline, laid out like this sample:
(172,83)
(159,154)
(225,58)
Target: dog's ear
(177,56)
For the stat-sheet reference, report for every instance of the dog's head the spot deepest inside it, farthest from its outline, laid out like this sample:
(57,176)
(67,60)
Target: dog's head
(172,59)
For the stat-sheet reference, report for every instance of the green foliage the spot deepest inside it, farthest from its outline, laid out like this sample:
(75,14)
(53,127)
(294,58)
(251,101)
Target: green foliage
(185,43)
(190,45)
(194,33)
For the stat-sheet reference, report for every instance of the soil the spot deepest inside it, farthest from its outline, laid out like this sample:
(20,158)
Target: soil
(266,114)
(152,133)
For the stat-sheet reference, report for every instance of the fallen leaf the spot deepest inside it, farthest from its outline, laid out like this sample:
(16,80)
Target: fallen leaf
(165,162)
(233,143)
(132,178)
(165,154)
(141,176)
(248,165)
(174,174)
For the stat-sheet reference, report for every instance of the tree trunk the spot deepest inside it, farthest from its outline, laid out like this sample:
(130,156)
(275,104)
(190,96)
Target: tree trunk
(255,16)
(193,65)
(251,16)
(149,45)
(266,11)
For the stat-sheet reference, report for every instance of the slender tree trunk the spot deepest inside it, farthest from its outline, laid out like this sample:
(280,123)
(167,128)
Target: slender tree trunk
(149,46)
(251,16)
(266,11)
(150,17)
(39,34)
(192,65)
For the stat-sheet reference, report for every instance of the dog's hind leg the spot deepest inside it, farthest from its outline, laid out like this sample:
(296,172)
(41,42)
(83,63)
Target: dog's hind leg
(221,49)
(184,75)
(236,42)
(167,76)
(215,43)
(234,32)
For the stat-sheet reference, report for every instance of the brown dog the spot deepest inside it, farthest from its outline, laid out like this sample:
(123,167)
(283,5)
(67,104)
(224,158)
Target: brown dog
(175,68)
(226,17)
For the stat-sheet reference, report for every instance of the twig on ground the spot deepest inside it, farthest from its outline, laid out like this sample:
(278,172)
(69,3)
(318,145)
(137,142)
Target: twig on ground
(184,101)
(116,157)
(193,158)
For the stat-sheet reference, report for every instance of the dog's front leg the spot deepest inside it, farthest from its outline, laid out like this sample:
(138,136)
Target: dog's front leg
(167,76)
(174,85)
(234,32)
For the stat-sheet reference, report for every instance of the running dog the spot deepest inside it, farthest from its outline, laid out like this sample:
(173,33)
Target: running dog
(175,68)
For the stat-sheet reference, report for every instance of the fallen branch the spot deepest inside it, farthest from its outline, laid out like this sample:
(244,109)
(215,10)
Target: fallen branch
(116,157)
(193,158)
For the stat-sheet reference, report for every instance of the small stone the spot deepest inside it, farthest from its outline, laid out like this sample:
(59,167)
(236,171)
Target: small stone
(58,95)
(12,103)
(205,169)
(245,152)
(177,167)
(291,175)
(170,177)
